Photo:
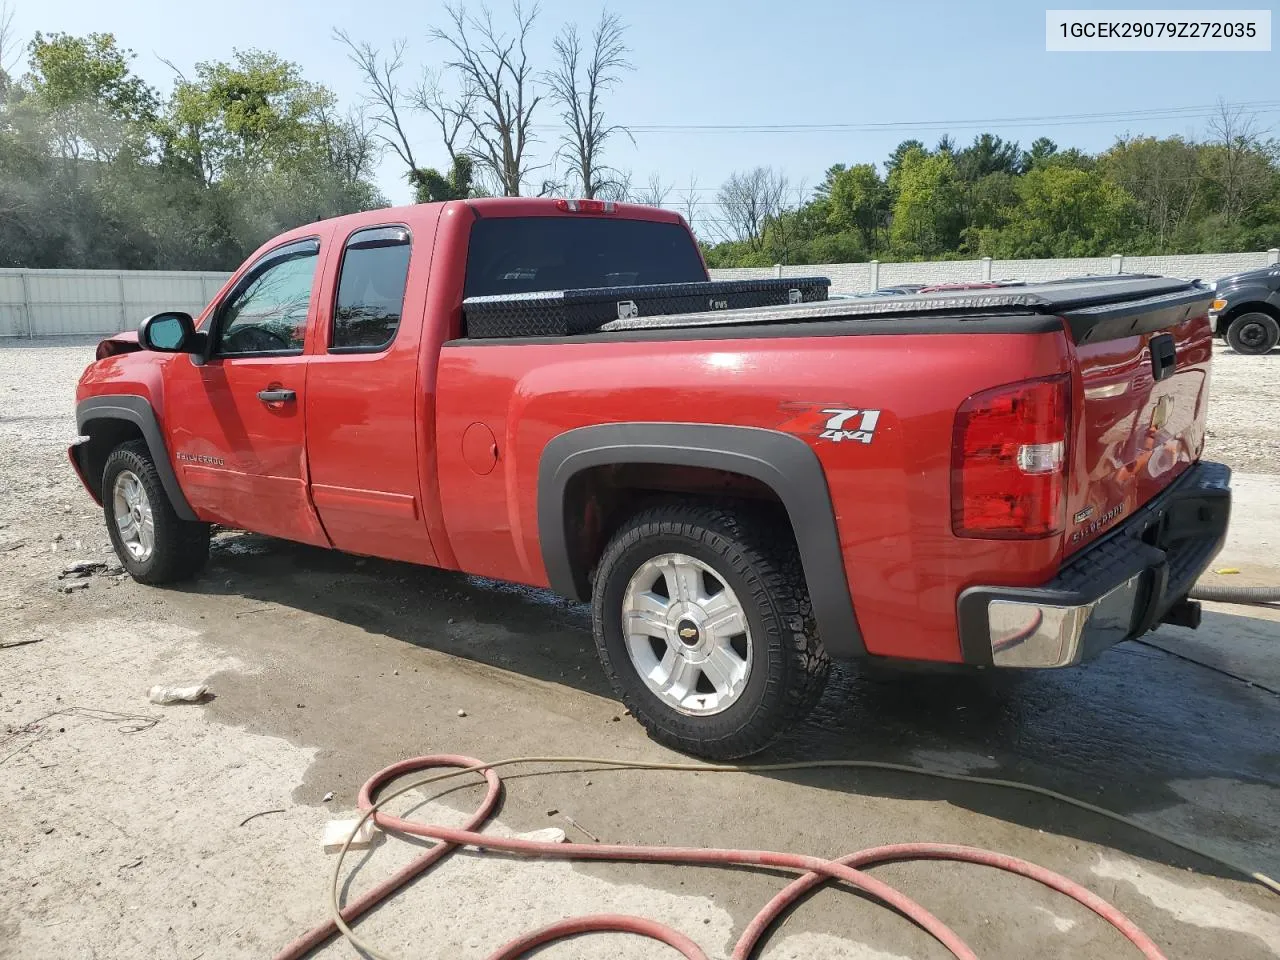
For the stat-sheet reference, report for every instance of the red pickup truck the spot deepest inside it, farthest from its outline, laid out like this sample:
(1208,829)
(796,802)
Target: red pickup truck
(992,477)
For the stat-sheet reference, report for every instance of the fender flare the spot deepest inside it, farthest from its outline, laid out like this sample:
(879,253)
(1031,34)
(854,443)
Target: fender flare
(781,461)
(1240,300)
(138,411)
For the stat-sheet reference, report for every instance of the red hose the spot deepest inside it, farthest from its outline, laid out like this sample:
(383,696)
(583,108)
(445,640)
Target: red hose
(367,901)
(814,871)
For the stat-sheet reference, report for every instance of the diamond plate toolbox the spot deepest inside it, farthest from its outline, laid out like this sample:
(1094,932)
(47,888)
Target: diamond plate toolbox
(566,313)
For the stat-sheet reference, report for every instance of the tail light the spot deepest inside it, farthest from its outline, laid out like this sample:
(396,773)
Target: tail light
(586,206)
(1009,459)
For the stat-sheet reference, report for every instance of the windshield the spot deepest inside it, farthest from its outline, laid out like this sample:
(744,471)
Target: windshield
(524,254)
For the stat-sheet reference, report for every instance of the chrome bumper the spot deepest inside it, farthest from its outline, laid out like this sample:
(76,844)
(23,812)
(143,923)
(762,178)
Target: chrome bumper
(1040,635)
(1114,590)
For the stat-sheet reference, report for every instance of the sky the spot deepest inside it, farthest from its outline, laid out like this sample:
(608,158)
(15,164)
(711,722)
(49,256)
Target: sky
(885,71)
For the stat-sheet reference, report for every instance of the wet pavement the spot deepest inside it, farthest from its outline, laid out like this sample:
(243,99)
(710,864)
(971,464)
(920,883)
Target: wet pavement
(1137,731)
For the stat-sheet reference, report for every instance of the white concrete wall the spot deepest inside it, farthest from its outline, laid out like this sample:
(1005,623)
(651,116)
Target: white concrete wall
(44,303)
(865,277)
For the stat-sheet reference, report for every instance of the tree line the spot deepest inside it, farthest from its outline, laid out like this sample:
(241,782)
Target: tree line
(99,169)
(1143,195)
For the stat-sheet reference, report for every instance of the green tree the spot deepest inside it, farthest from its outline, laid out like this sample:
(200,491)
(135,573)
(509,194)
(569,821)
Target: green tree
(858,203)
(1164,177)
(243,117)
(1064,212)
(90,103)
(432,186)
(988,154)
(926,215)
(899,152)
(96,172)
(1042,148)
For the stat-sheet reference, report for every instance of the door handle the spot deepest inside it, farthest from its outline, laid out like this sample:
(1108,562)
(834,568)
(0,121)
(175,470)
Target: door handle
(276,395)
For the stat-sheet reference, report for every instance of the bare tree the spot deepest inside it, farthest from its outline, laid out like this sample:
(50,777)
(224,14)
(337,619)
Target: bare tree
(578,83)
(494,69)
(690,205)
(617,187)
(748,201)
(10,49)
(1237,166)
(654,193)
(450,113)
(386,101)
(349,140)
(784,228)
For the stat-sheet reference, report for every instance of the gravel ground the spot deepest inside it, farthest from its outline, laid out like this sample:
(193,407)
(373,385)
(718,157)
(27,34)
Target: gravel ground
(1244,411)
(124,833)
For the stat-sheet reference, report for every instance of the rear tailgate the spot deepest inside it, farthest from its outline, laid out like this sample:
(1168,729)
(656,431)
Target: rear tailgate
(1144,382)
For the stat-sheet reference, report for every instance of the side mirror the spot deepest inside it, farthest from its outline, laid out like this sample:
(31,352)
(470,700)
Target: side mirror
(168,332)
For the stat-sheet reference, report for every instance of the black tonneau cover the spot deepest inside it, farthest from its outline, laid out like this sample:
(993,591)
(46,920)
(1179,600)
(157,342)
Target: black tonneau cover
(1101,308)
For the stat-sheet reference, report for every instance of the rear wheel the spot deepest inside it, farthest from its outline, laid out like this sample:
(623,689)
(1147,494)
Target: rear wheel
(704,627)
(1253,333)
(153,543)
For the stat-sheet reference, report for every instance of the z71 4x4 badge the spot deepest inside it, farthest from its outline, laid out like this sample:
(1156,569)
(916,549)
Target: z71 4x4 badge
(836,424)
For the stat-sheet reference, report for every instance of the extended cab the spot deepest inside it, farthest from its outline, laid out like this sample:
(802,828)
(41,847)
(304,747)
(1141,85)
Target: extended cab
(993,477)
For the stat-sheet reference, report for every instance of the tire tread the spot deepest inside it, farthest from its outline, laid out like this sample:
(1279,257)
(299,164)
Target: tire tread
(1260,316)
(182,546)
(762,551)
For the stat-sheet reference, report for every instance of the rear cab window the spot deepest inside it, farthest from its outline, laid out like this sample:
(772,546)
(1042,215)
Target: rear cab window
(510,255)
(371,285)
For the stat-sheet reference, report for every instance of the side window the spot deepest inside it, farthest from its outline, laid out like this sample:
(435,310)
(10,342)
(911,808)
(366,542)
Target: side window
(268,313)
(375,266)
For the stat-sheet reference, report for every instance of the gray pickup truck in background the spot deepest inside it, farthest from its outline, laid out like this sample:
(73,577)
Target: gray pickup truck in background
(1246,310)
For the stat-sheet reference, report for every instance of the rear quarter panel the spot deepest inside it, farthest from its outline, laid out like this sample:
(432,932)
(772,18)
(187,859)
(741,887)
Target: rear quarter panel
(892,496)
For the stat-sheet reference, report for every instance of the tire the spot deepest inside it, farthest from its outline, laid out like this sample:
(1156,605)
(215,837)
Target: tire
(176,549)
(1253,333)
(732,560)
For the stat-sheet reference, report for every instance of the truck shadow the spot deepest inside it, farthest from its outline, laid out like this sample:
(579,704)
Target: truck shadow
(1138,731)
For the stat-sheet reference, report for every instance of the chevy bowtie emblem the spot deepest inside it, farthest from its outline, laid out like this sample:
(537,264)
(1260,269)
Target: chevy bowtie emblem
(688,633)
(1160,415)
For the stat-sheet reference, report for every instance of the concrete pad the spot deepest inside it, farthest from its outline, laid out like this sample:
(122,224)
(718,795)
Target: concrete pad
(1243,640)
(1253,539)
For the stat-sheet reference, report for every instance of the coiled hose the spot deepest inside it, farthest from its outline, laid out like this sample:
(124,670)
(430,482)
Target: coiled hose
(812,871)
(1246,595)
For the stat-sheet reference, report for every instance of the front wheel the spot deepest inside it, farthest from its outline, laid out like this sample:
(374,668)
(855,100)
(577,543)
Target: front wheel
(153,543)
(1253,333)
(703,624)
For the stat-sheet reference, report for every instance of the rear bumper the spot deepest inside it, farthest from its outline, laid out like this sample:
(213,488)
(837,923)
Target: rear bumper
(1116,589)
